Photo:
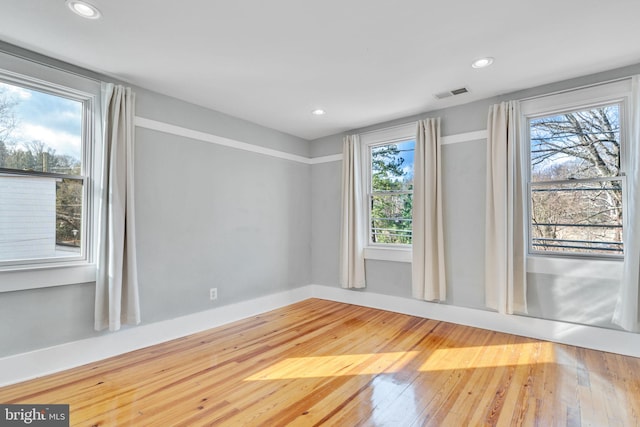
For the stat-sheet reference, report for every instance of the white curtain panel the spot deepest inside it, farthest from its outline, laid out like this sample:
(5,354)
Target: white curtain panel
(117,299)
(626,313)
(427,268)
(505,238)
(353,229)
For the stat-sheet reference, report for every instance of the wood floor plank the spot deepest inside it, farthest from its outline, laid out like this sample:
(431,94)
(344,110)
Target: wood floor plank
(325,363)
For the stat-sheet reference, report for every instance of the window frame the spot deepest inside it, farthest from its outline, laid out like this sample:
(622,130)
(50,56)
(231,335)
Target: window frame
(46,272)
(608,93)
(368,140)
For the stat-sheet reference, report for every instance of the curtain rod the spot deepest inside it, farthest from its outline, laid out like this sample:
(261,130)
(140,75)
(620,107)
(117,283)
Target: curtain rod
(387,128)
(43,63)
(529,98)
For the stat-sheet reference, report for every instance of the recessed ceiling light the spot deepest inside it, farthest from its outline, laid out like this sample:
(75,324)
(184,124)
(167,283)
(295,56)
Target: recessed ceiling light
(318,112)
(482,62)
(83,9)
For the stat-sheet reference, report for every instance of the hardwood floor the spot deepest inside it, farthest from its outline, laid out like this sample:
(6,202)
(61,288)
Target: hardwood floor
(324,363)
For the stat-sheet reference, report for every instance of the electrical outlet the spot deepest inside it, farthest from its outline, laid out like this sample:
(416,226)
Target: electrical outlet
(213,294)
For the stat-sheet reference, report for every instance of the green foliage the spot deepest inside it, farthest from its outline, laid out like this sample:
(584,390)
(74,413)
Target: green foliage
(386,166)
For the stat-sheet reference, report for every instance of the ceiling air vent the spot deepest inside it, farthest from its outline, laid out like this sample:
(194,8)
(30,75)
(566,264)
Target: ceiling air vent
(459,91)
(449,93)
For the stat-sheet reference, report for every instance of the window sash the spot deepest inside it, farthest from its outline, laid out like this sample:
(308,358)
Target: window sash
(385,231)
(612,248)
(371,194)
(87,168)
(82,256)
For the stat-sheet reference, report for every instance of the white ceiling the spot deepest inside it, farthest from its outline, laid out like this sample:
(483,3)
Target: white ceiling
(364,61)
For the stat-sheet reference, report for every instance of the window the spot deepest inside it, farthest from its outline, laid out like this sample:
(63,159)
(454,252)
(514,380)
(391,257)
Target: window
(388,158)
(391,195)
(576,176)
(41,175)
(47,130)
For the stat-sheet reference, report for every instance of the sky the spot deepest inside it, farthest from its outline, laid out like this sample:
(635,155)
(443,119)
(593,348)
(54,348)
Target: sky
(54,120)
(407,150)
(570,140)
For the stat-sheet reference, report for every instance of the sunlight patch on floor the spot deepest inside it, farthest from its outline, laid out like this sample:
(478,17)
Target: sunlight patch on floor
(489,356)
(385,363)
(335,366)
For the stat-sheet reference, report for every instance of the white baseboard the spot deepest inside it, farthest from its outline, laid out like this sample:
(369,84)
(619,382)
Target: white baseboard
(37,363)
(592,337)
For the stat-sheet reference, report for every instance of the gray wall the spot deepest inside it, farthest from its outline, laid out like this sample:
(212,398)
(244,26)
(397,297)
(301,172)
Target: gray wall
(251,225)
(212,216)
(463,187)
(163,108)
(207,216)
(585,300)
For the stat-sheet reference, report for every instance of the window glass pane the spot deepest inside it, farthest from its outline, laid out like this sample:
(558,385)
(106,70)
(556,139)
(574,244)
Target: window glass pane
(392,166)
(40,216)
(39,131)
(391,218)
(392,187)
(584,217)
(580,144)
(69,194)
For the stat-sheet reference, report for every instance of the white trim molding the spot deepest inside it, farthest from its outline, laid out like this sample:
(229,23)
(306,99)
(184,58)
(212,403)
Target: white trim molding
(592,337)
(326,159)
(45,276)
(37,363)
(196,135)
(381,253)
(464,137)
(214,139)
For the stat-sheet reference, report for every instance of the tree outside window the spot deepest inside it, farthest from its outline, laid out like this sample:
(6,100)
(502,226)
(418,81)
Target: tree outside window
(576,182)
(391,198)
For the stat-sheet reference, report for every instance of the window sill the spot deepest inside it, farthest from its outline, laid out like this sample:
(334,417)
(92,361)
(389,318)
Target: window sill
(561,266)
(46,276)
(388,254)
